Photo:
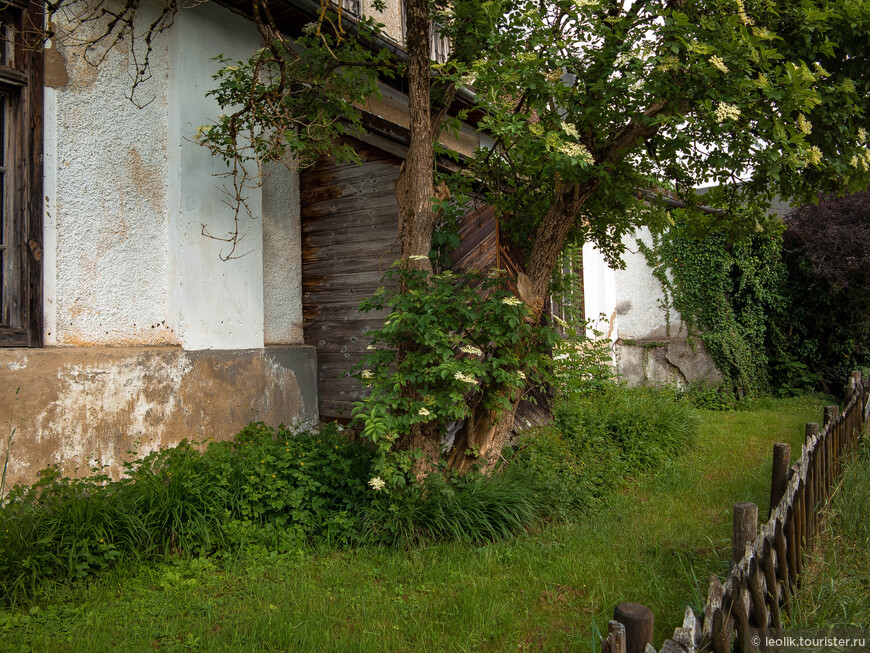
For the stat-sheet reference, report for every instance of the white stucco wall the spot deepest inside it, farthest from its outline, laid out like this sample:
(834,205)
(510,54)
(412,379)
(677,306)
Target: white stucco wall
(127,194)
(214,304)
(390,17)
(106,238)
(640,299)
(282,256)
(599,292)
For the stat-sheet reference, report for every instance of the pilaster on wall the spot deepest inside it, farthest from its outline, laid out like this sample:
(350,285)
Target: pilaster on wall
(599,293)
(214,304)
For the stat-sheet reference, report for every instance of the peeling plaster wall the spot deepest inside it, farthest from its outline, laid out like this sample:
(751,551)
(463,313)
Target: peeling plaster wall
(282,256)
(83,407)
(127,270)
(106,167)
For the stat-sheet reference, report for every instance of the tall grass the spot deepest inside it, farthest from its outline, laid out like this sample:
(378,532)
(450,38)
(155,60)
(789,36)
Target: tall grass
(835,588)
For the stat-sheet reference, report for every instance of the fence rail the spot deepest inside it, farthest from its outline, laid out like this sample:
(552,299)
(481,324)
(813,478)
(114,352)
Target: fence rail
(766,566)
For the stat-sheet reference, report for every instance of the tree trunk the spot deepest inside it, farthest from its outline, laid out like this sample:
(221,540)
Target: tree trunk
(485,431)
(415,187)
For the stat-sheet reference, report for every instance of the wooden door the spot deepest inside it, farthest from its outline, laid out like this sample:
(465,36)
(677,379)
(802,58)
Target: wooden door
(349,239)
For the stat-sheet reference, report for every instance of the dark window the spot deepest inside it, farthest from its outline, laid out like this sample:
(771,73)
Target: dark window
(20,175)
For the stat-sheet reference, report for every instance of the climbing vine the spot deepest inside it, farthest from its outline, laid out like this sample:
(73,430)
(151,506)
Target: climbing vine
(728,293)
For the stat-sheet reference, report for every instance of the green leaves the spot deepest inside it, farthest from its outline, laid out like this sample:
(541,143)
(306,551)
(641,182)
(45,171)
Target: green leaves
(451,341)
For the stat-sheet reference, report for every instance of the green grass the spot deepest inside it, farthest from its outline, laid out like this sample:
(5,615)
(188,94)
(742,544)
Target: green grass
(655,542)
(836,580)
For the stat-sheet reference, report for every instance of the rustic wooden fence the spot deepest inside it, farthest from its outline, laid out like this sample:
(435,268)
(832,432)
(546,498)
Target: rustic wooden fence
(766,566)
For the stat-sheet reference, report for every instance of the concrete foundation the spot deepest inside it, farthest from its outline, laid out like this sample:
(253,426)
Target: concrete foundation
(665,362)
(85,407)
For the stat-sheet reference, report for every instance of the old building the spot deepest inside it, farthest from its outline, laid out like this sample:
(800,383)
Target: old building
(122,329)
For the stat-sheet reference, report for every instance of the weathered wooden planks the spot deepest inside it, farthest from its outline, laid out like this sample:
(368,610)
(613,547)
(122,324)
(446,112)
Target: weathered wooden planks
(349,240)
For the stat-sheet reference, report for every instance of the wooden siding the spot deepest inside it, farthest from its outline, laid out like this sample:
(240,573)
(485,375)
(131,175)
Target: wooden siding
(350,223)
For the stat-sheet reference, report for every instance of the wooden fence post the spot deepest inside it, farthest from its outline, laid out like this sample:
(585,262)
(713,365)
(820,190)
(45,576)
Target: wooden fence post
(812,430)
(744,529)
(864,407)
(831,413)
(638,621)
(779,477)
(615,641)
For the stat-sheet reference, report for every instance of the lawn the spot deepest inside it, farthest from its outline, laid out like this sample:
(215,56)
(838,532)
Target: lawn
(654,542)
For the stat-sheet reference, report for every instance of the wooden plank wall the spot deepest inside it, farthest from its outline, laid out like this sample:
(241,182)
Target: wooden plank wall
(349,239)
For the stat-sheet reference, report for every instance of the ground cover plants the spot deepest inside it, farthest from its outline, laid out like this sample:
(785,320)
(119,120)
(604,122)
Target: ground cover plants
(283,489)
(653,541)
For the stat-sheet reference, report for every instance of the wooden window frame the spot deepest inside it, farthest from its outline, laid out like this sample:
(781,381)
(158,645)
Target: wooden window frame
(21,81)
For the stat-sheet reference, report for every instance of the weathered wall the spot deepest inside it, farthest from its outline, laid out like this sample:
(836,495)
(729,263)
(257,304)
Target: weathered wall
(106,169)
(650,341)
(128,193)
(282,256)
(83,407)
(391,17)
(214,304)
(640,301)
(126,265)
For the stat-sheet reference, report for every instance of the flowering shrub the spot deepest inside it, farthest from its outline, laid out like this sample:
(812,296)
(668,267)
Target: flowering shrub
(451,342)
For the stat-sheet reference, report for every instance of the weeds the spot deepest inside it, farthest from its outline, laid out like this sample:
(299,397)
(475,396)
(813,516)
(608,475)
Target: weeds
(835,588)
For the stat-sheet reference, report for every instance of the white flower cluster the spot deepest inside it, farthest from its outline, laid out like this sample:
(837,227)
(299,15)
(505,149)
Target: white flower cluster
(423,412)
(741,11)
(459,376)
(804,125)
(570,129)
(727,112)
(367,374)
(586,3)
(471,349)
(717,62)
(861,160)
(814,155)
(512,301)
(418,257)
(521,374)
(862,135)
(377,483)
(579,151)
(202,132)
